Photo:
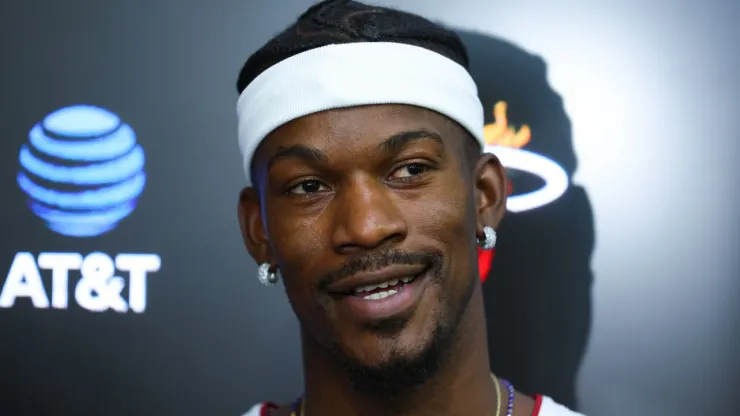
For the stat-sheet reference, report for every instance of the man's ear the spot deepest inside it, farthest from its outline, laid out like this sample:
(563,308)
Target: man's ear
(490,192)
(252,226)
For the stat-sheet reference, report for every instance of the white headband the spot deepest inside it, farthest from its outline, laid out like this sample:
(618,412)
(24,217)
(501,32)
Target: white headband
(354,74)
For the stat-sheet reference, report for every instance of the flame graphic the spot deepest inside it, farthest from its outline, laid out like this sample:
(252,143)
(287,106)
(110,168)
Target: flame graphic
(499,133)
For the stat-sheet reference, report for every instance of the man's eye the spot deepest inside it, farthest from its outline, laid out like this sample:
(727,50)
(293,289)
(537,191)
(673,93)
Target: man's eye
(307,187)
(410,170)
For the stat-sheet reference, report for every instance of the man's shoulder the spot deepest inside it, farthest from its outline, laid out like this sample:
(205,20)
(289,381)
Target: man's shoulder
(256,410)
(548,407)
(545,407)
(261,409)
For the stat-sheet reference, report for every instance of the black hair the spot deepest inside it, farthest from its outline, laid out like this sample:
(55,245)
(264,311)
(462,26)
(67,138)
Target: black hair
(345,21)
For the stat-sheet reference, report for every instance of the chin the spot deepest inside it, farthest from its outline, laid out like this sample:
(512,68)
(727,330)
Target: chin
(383,363)
(381,351)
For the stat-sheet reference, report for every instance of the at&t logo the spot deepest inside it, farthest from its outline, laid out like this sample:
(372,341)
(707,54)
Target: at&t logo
(83,172)
(98,289)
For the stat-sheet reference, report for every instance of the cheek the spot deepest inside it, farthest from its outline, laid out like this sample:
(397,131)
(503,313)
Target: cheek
(444,214)
(296,244)
(300,250)
(448,219)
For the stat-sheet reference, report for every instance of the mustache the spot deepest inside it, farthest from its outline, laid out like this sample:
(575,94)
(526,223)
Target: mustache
(369,262)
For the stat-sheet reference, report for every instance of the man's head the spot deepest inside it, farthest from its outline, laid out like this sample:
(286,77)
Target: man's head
(370,212)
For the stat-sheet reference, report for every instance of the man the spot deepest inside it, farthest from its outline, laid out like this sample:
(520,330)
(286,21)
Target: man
(361,135)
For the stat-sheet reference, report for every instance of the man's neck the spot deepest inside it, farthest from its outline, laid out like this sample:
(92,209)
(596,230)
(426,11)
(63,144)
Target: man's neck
(461,386)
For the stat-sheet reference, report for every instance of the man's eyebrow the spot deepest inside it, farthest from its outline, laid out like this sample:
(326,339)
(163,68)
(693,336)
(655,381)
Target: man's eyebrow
(298,151)
(399,140)
(390,145)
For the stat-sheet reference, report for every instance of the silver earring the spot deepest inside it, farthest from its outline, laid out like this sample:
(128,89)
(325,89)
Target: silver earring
(489,241)
(266,276)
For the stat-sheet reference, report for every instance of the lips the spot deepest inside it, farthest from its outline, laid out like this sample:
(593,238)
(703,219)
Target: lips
(385,296)
(377,279)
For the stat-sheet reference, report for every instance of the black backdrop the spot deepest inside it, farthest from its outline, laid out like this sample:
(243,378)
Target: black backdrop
(620,294)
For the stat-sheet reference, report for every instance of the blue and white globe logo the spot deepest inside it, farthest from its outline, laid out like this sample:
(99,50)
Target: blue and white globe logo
(82,170)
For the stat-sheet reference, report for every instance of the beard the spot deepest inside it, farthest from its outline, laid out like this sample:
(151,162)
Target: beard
(404,370)
(405,367)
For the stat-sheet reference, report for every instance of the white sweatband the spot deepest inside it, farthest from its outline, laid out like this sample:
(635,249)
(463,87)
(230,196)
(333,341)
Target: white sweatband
(354,74)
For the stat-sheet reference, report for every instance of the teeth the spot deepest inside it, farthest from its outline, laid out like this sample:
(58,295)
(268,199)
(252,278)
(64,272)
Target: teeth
(385,293)
(380,295)
(379,286)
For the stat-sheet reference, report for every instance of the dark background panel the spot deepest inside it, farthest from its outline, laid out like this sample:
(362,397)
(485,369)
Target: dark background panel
(621,296)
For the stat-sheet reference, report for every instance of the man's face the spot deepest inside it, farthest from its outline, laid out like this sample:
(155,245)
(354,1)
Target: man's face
(371,215)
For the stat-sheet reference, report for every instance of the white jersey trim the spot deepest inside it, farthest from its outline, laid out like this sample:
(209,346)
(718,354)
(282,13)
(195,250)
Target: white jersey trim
(549,408)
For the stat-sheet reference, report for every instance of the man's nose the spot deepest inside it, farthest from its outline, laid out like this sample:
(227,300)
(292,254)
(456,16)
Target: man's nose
(366,217)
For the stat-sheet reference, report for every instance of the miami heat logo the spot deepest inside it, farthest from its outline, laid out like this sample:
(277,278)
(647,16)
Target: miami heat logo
(541,180)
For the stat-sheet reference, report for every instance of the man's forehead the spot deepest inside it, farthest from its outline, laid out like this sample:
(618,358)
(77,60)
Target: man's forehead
(358,126)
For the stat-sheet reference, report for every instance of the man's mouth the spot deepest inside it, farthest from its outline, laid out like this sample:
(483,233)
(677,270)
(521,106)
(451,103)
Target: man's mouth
(384,298)
(382,290)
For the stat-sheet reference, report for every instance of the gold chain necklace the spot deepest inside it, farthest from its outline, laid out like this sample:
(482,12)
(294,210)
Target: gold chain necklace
(498,395)
(495,382)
